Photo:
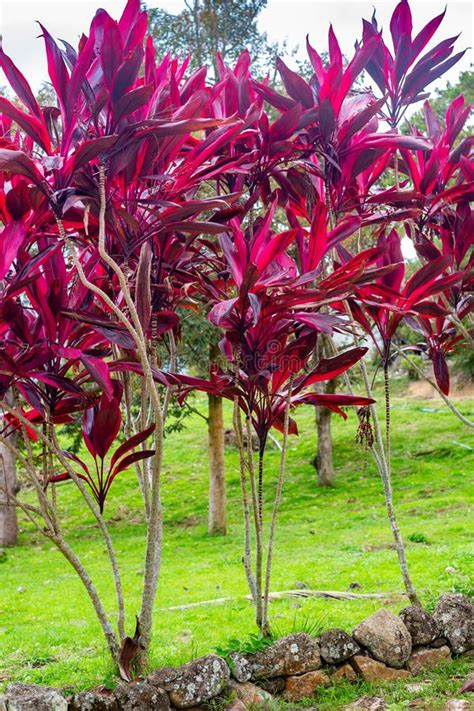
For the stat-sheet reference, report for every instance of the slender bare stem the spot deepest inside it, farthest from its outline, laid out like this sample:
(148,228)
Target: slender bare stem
(133,326)
(144,424)
(107,539)
(51,531)
(29,510)
(276,506)
(385,475)
(53,447)
(130,430)
(155,522)
(257,507)
(29,468)
(247,559)
(69,554)
(173,365)
(386,385)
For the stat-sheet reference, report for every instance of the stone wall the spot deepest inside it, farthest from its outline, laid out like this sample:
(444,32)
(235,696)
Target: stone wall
(383,647)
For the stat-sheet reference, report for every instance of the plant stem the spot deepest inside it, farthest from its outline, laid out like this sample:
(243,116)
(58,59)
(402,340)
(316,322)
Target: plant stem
(386,384)
(91,591)
(172,367)
(276,506)
(110,550)
(133,326)
(257,505)
(129,431)
(51,530)
(52,446)
(247,559)
(385,475)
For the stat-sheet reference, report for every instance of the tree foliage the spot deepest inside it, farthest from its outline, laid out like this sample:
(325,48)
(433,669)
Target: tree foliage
(207,28)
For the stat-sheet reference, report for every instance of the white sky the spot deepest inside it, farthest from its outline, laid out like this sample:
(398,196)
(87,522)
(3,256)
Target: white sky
(282,19)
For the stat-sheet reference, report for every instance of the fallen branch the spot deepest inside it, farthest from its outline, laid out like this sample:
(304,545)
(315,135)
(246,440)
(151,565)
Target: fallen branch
(330,594)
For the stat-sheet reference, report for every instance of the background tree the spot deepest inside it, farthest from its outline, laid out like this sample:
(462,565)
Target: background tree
(206,28)
(324,459)
(199,348)
(8,517)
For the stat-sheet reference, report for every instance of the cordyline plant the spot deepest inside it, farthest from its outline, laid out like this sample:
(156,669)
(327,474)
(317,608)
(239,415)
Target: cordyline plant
(143,189)
(342,158)
(270,328)
(100,212)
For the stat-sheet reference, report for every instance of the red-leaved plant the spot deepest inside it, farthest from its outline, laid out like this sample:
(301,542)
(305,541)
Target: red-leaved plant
(144,188)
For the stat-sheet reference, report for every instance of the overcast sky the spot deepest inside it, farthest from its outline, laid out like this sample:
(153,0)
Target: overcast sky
(282,19)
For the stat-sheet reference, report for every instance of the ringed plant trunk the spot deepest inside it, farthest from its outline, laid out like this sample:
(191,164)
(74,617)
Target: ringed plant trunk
(382,451)
(217,522)
(8,489)
(323,461)
(388,492)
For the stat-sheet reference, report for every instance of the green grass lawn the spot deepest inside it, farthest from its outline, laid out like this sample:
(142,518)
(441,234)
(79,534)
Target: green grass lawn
(326,539)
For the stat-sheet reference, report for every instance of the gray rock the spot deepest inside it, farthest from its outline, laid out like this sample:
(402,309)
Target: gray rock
(420,624)
(458,705)
(3,702)
(294,654)
(140,695)
(454,615)
(102,700)
(336,646)
(31,697)
(386,637)
(195,682)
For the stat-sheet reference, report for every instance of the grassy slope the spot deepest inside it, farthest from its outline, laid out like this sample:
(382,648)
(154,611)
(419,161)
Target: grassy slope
(326,539)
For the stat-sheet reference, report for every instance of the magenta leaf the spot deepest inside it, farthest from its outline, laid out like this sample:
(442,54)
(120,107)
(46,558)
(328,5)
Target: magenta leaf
(11,239)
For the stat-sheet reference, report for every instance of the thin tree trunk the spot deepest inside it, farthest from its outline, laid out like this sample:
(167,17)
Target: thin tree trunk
(382,458)
(323,461)
(247,557)
(265,628)
(217,522)
(109,634)
(45,520)
(257,505)
(134,328)
(8,490)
